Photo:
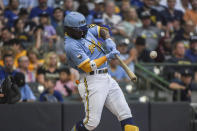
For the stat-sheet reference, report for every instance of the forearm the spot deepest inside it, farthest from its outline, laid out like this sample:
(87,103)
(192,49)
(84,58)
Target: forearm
(176,86)
(92,65)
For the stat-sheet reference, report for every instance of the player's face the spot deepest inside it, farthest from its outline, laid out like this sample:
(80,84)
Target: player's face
(77,33)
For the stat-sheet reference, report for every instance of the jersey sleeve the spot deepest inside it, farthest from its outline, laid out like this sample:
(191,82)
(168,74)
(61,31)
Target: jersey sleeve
(77,55)
(95,30)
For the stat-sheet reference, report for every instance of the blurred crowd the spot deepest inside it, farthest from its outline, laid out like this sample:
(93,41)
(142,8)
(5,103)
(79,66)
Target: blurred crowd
(32,41)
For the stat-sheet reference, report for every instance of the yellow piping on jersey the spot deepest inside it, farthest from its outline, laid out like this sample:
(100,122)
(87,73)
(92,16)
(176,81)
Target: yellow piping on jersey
(131,128)
(99,31)
(85,66)
(87,101)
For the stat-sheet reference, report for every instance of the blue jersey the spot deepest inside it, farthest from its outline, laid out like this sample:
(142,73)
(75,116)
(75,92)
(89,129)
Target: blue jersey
(83,50)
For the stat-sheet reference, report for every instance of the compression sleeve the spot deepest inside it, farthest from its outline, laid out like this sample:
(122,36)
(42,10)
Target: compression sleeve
(93,65)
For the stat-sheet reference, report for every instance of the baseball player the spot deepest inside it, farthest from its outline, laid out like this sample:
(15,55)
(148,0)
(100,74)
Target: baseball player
(96,86)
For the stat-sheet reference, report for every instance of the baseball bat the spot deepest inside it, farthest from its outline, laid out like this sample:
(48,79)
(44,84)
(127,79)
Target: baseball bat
(131,75)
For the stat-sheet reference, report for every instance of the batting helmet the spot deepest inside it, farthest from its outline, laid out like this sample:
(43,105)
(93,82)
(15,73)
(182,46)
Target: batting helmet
(75,25)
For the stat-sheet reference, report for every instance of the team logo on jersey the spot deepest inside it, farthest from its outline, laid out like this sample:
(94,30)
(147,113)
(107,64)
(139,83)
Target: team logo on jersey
(93,45)
(79,56)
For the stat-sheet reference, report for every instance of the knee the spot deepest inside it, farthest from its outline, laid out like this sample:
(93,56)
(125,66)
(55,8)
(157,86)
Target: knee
(92,123)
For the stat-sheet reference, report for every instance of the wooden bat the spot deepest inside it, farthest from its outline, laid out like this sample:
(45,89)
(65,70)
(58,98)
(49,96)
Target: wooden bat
(131,75)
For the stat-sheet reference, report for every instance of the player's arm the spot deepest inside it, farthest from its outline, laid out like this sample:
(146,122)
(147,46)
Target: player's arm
(92,65)
(105,35)
(103,32)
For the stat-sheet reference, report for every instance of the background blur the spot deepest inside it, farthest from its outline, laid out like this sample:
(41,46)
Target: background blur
(32,50)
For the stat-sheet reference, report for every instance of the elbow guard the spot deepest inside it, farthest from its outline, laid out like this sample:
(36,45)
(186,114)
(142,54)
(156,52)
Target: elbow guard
(93,65)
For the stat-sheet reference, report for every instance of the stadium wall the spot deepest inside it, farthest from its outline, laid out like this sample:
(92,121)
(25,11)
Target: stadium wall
(61,117)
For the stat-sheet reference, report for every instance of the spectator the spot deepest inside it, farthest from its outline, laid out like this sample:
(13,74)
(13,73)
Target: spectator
(68,6)
(164,50)
(49,68)
(182,5)
(26,92)
(192,52)
(11,13)
(130,22)
(110,18)
(65,86)
(185,33)
(29,27)
(191,14)
(172,72)
(3,20)
(17,46)
(147,7)
(49,34)
(34,62)
(23,64)
(158,7)
(136,3)
(41,8)
(19,30)
(147,31)
(57,21)
(117,72)
(170,14)
(96,15)
(83,9)
(6,51)
(26,4)
(6,36)
(182,87)
(127,55)
(140,51)
(8,67)
(125,6)
(50,95)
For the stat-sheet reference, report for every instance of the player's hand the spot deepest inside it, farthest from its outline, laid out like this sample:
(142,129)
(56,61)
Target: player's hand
(112,54)
(104,32)
(110,45)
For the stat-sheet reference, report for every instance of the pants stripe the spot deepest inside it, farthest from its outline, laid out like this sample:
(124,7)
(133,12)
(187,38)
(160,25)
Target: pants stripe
(87,101)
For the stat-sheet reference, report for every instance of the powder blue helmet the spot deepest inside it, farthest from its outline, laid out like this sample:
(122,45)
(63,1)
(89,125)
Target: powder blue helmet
(75,25)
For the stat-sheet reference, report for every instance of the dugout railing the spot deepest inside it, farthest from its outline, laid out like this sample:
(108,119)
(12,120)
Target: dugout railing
(152,81)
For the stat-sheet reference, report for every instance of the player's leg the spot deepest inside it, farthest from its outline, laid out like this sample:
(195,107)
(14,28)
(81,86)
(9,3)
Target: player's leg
(93,93)
(117,104)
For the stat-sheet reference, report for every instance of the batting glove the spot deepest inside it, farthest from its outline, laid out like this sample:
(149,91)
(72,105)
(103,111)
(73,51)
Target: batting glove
(110,45)
(112,54)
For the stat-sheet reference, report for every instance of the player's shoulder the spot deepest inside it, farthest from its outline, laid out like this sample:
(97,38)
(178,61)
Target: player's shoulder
(71,44)
(92,26)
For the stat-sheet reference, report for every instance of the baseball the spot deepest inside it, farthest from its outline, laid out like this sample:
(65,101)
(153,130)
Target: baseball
(153,54)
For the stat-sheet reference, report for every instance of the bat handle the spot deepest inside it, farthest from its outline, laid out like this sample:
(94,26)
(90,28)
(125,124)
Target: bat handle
(130,74)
